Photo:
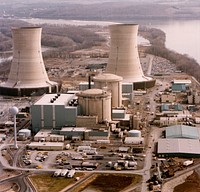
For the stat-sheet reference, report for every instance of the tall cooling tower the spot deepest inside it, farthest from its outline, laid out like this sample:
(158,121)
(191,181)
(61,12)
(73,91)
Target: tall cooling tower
(124,58)
(27,73)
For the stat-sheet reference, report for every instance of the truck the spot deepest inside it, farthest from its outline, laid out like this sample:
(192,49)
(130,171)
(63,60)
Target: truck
(188,162)
(71,173)
(97,157)
(57,173)
(64,172)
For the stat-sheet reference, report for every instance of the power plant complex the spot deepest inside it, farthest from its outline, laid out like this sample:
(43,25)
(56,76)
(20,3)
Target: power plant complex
(91,107)
(27,73)
(103,117)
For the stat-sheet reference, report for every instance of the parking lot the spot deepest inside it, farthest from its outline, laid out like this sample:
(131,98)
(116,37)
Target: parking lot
(105,158)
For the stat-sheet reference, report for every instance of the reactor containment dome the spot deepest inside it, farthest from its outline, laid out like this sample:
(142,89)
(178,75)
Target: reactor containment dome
(124,58)
(27,74)
(95,102)
(112,83)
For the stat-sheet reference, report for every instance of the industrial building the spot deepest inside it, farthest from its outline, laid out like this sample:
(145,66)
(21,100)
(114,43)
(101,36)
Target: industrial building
(181,141)
(47,146)
(24,134)
(180,85)
(119,114)
(167,121)
(168,98)
(95,102)
(27,73)
(169,107)
(54,111)
(178,148)
(47,136)
(122,92)
(193,98)
(134,137)
(124,58)
(71,133)
(182,131)
(112,83)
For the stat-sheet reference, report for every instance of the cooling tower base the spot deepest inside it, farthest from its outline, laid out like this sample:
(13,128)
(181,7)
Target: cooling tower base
(20,92)
(144,84)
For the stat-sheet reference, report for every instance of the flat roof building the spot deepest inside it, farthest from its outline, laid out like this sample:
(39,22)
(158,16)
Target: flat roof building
(182,131)
(54,111)
(178,148)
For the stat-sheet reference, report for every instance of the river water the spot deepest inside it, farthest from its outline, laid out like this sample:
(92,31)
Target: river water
(182,36)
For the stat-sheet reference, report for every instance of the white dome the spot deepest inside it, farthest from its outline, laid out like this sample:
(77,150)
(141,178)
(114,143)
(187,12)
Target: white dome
(134,133)
(14,110)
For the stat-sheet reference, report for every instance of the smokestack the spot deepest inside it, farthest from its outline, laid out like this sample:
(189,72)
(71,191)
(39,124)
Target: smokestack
(123,57)
(27,72)
(89,82)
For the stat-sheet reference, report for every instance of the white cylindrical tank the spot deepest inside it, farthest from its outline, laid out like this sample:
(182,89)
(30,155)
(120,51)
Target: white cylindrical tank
(26,132)
(95,102)
(112,83)
(134,133)
(27,71)
(123,57)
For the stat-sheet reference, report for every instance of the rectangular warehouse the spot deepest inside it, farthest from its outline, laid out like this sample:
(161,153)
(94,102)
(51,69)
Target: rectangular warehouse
(53,111)
(189,148)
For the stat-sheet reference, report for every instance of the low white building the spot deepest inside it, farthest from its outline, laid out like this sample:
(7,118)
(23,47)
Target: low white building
(54,146)
(134,140)
(197,120)
(45,135)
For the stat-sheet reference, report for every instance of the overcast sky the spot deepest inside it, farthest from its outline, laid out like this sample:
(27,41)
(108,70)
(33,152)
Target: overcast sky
(90,1)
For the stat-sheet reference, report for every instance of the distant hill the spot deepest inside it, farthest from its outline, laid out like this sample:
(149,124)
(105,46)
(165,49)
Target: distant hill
(112,10)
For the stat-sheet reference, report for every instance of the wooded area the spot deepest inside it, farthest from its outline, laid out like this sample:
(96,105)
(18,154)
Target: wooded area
(183,62)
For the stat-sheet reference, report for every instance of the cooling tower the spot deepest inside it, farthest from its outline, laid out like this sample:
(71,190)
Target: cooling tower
(27,73)
(124,58)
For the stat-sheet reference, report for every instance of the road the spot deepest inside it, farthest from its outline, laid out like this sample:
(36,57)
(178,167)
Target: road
(22,182)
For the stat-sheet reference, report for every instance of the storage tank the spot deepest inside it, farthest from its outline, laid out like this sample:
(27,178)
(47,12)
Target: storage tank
(124,58)
(112,83)
(26,132)
(27,74)
(95,102)
(134,133)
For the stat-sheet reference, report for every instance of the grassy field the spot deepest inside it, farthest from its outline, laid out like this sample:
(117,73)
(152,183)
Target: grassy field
(46,182)
(100,182)
(110,182)
(190,185)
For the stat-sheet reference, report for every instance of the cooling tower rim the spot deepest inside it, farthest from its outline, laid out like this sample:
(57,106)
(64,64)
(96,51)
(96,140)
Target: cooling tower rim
(137,79)
(107,77)
(26,28)
(124,24)
(28,86)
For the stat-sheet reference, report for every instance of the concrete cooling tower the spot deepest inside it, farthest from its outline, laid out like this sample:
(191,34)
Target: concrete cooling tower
(124,58)
(27,73)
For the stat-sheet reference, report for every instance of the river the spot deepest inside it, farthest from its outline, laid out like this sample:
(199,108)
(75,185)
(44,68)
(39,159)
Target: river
(182,36)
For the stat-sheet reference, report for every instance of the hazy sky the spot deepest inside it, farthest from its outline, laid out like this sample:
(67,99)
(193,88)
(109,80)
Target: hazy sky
(92,1)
